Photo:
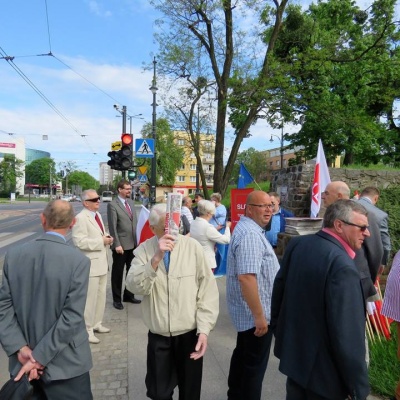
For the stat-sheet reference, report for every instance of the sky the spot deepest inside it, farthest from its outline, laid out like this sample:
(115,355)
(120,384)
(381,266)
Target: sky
(99,49)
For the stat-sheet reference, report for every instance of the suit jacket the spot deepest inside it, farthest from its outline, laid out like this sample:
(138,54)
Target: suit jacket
(382,220)
(42,301)
(121,225)
(88,237)
(318,318)
(368,258)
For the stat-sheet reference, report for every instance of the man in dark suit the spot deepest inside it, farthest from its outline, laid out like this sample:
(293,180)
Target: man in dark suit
(122,223)
(42,302)
(368,257)
(368,198)
(318,311)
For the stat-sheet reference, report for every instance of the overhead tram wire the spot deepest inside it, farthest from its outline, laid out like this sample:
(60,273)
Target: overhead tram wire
(42,95)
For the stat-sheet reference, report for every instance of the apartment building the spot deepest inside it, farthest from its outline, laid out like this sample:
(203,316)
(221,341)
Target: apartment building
(185,181)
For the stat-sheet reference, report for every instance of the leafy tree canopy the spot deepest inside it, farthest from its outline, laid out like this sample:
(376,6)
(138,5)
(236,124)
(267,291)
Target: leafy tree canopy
(169,154)
(40,171)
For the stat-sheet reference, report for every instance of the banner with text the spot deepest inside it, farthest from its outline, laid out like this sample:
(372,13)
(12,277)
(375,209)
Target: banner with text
(238,204)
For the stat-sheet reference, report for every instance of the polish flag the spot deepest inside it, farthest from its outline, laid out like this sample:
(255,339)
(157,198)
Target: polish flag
(320,182)
(143,231)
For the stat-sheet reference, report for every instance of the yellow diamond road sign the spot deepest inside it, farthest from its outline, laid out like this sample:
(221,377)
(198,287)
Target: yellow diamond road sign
(116,146)
(142,170)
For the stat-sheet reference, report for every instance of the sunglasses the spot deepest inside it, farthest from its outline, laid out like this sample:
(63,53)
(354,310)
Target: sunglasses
(94,200)
(363,228)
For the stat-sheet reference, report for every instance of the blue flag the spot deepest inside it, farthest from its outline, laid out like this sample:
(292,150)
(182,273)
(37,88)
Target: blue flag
(244,177)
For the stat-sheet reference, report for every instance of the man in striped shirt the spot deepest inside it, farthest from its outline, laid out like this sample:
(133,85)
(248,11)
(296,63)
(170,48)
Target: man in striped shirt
(391,304)
(251,270)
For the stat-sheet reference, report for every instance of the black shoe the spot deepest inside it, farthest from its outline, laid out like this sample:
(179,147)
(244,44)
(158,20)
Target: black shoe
(131,299)
(118,305)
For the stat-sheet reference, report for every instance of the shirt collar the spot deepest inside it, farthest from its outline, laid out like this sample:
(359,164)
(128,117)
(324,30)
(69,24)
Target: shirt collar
(348,249)
(56,234)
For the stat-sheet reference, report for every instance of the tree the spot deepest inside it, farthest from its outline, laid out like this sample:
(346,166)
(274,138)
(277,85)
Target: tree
(11,169)
(39,172)
(253,160)
(340,72)
(82,179)
(208,33)
(169,154)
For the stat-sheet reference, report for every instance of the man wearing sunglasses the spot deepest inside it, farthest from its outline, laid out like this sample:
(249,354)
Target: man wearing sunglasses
(318,309)
(369,256)
(90,236)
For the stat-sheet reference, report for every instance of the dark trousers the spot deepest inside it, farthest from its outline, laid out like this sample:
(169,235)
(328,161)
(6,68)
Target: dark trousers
(248,365)
(77,388)
(297,392)
(169,364)
(117,273)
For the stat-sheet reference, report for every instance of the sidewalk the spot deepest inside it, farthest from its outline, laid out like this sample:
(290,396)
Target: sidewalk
(119,360)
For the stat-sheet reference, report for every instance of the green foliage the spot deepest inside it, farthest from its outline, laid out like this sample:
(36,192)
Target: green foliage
(169,154)
(253,160)
(10,169)
(83,179)
(38,172)
(384,368)
(389,201)
(339,67)
(264,186)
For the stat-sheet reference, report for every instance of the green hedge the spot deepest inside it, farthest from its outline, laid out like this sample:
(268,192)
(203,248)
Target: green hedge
(389,201)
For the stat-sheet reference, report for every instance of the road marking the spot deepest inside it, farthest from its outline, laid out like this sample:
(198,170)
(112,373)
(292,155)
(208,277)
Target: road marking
(13,238)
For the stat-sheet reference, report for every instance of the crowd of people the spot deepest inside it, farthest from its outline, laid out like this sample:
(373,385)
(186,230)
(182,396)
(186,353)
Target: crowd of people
(53,296)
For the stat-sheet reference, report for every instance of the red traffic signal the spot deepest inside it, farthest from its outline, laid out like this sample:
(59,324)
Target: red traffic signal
(126,139)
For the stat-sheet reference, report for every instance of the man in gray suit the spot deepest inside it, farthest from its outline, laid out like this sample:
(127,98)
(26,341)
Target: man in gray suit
(90,236)
(368,198)
(42,301)
(122,225)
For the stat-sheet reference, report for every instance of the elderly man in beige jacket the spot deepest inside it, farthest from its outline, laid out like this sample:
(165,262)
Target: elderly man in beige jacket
(90,236)
(180,307)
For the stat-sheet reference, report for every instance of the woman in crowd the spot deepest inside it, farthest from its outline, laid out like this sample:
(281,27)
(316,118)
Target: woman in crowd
(219,218)
(206,234)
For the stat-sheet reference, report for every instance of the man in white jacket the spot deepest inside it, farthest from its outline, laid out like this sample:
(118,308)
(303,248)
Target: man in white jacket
(180,307)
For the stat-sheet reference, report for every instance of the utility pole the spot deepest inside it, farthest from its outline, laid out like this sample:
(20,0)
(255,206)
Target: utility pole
(153,89)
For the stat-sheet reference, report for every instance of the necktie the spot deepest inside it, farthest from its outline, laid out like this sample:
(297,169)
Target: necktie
(166,260)
(128,208)
(97,218)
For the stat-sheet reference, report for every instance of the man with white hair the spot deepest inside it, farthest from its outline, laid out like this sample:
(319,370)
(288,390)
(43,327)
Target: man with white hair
(180,307)
(90,236)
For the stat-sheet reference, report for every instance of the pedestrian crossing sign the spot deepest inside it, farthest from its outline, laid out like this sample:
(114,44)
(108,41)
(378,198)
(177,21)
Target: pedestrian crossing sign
(144,148)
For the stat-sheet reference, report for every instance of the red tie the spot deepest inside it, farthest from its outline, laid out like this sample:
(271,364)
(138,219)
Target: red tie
(97,218)
(128,208)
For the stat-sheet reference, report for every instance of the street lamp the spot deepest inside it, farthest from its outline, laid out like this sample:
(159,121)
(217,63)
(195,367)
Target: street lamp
(281,148)
(153,90)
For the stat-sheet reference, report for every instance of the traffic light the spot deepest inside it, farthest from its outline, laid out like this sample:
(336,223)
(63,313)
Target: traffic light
(131,175)
(126,151)
(115,162)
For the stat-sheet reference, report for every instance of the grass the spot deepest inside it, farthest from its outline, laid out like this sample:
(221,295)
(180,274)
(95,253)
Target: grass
(384,369)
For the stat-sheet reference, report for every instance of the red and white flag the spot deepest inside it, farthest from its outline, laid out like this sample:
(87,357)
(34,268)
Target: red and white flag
(320,182)
(143,231)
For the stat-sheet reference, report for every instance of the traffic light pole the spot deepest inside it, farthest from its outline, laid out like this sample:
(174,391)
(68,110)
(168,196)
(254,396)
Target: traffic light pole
(123,131)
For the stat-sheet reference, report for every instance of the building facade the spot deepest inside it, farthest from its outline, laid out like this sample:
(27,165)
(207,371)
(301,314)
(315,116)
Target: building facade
(106,174)
(185,180)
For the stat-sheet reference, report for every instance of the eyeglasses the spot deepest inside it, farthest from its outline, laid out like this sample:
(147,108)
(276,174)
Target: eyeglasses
(363,228)
(273,204)
(94,200)
(261,205)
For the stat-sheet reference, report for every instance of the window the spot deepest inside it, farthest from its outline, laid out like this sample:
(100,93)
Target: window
(192,179)
(278,163)
(180,178)
(192,155)
(270,163)
(181,142)
(209,168)
(193,167)
(182,166)
(207,155)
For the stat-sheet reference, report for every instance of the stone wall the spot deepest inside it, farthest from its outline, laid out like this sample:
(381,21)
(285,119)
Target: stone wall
(294,184)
